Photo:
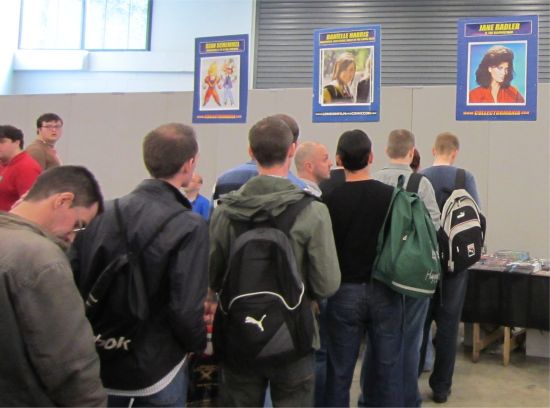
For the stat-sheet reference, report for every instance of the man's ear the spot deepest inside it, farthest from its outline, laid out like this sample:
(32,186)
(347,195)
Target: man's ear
(250,153)
(338,161)
(61,200)
(291,150)
(371,157)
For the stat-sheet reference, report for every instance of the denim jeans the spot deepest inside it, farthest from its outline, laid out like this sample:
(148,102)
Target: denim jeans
(377,310)
(290,385)
(415,316)
(173,395)
(321,357)
(445,309)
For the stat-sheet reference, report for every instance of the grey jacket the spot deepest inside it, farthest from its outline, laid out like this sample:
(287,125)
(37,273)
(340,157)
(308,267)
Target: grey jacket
(46,343)
(390,174)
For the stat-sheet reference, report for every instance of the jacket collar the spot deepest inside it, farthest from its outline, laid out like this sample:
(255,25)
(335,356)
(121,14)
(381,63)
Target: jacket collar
(162,188)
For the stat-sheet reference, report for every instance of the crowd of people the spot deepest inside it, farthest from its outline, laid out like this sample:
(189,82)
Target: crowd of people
(59,237)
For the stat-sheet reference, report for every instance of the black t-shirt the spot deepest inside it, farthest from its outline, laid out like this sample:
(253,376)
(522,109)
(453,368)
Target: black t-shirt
(357,210)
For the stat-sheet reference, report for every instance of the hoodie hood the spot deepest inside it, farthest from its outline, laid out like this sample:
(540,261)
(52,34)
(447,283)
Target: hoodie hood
(260,197)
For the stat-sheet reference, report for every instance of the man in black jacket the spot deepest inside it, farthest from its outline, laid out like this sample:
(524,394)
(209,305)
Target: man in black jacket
(153,371)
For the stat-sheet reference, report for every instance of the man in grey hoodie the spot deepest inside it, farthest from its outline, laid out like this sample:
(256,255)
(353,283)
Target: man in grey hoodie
(311,238)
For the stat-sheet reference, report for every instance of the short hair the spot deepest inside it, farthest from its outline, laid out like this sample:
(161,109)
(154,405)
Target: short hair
(291,123)
(269,140)
(400,141)
(493,57)
(342,63)
(354,148)
(167,148)
(304,152)
(73,179)
(48,117)
(446,143)
(12,133)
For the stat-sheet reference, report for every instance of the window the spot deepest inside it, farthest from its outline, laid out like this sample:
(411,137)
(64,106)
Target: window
(85,24)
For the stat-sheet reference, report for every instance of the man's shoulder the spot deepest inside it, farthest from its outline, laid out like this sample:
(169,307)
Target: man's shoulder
(241,172)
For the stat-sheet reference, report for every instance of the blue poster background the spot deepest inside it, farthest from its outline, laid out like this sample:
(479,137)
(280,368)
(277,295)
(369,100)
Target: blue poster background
(221,79)
(346,94)
(475,37)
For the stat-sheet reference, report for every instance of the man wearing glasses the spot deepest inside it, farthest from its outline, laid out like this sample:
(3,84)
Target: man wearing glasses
(49,129)
(46,342)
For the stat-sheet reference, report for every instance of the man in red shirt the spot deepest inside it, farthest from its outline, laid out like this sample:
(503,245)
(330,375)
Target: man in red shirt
(18,170)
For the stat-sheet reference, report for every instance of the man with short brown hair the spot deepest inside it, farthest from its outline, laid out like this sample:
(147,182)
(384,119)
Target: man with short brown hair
(49,129)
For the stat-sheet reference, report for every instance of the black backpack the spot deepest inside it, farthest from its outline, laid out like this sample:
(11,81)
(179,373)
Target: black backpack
(264,316)
(463,226)
(118,302)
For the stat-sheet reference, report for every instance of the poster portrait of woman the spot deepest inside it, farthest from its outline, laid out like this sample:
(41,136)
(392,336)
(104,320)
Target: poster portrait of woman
(494,76)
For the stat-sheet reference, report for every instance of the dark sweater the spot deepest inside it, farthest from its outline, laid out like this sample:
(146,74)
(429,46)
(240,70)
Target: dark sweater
(357,210)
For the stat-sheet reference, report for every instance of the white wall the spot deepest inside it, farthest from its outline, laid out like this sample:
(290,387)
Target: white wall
(167,67)
(9,30)
(509,159)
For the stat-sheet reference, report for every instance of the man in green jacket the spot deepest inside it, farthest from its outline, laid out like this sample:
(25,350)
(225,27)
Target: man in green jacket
(311,238)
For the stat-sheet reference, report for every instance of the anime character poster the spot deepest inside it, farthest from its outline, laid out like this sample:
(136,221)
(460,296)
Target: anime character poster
(497,68)
(346,77)
(221,79)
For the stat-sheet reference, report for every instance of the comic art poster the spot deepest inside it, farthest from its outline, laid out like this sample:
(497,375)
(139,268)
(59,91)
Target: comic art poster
(497,68)
(346,74)
(221,79)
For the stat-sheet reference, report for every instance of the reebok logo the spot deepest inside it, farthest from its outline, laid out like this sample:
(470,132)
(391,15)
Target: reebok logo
(112,343)
(251,320)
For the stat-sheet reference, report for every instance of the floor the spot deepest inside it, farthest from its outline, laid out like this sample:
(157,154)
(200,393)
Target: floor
(525,382)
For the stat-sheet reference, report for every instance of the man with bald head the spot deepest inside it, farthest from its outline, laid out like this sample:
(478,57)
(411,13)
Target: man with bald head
(312,165)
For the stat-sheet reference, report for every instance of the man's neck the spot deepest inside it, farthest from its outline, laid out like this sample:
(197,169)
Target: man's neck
(358,175)
(278,171)
(443,161)
(309,177)
(405,160)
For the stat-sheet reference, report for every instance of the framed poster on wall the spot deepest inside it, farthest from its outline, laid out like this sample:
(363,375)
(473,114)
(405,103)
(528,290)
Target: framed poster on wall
(346,74)
(221,79)
(497,68)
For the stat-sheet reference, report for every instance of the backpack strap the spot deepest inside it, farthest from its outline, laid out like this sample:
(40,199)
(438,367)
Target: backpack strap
(460,179)
(414,182)
(286,219)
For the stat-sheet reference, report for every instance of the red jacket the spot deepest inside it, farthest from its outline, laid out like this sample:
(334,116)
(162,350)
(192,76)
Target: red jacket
(16,178)
(505,95)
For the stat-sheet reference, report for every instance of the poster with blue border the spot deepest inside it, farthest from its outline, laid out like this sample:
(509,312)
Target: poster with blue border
(221,79)
(497,68)
(346,74)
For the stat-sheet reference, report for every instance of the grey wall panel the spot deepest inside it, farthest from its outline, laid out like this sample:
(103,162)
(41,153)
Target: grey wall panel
(510,159)
(418,37)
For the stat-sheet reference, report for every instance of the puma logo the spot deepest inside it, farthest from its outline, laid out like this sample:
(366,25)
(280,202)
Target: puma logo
(258,323)
(461,215)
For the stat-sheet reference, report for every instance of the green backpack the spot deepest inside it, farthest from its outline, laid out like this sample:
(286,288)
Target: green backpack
(407,252)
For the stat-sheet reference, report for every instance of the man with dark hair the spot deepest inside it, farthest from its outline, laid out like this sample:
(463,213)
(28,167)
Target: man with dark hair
(46,342)
(400,151)
(18,170)
(446,305)
(234,178)
(357,210)
(174,267)
(265,196)
(49,129)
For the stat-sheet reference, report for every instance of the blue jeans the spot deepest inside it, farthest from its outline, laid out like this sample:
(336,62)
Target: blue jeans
(321,357)
(446,310)
(290,385)
(377,310)
(173,395)
(415,316)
